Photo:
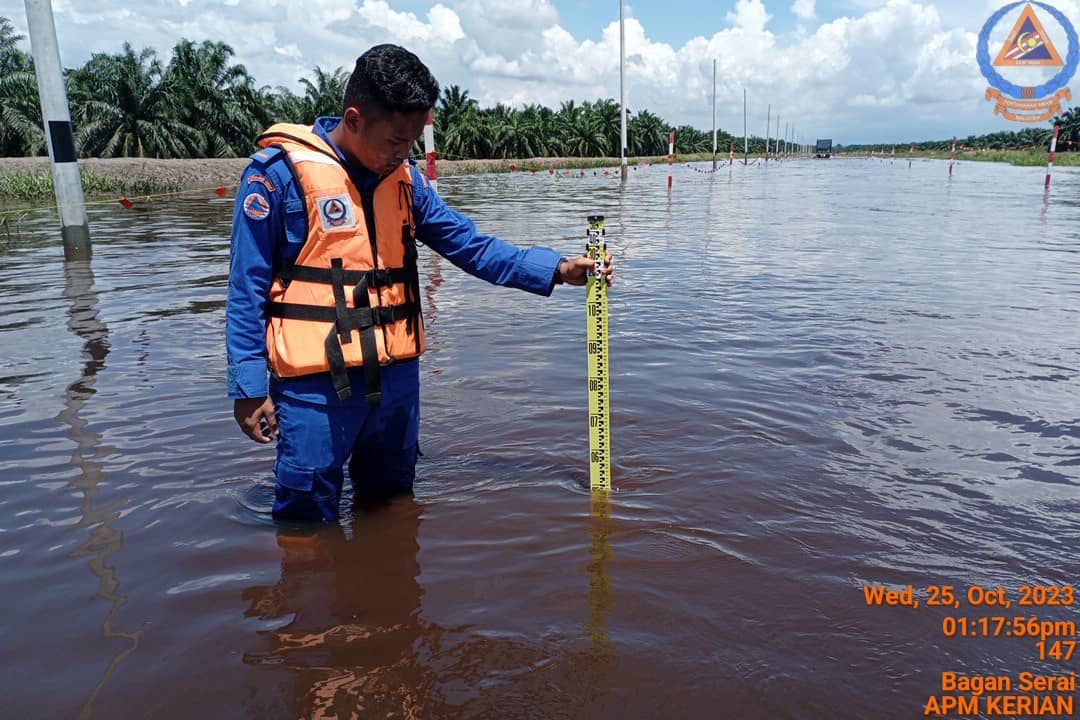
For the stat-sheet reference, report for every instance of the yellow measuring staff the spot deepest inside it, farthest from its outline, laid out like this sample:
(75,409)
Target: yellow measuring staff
(596,305)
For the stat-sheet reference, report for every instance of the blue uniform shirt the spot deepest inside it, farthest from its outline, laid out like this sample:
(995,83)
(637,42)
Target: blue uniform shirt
(268,232)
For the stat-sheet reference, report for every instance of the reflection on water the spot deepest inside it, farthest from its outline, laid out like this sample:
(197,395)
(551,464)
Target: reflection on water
(351,604)
(348,631)
(102,540)
(823,374)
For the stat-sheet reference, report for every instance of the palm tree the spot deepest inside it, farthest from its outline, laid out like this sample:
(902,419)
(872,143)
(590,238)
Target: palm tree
(1069,132)
(468,136)
(260,104)
(609,117)
(287,106)
(515,133)
(648,134)
(10,55)
(326,95)
(21,126)
(453,103)
(210,93)
(585,136)
(20,112)
(123,107)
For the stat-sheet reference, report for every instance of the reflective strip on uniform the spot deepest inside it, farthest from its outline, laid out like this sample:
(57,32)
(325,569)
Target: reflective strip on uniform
(299,156)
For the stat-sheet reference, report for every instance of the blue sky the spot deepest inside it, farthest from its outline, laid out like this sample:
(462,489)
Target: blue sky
(855,70)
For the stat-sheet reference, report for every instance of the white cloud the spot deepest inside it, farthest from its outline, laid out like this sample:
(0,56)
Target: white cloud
(898,70)
(443,26)
(749,15)
(804,9)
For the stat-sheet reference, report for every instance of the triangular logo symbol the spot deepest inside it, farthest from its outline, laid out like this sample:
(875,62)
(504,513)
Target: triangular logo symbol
(1028,43)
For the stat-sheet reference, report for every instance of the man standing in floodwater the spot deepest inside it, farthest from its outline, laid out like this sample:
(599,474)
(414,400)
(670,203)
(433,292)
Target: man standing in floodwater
(324,326)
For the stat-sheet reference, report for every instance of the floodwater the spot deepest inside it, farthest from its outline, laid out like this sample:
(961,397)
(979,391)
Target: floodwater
(825,374)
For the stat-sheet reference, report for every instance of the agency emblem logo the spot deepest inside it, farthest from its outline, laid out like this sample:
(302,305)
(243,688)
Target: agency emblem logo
(256,207)
(1028,95)
(336,212)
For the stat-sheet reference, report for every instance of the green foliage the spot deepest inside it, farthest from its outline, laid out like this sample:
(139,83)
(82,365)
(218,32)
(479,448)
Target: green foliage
(324,96)
(1069,135)
(1032,138)
(124,106)
(203,84)
(31,185)
(20,113)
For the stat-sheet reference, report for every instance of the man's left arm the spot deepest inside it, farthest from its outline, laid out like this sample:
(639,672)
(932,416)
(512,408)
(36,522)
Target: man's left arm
(454,236)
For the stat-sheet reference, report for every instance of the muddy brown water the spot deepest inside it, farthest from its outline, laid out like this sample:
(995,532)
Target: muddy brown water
(824,374)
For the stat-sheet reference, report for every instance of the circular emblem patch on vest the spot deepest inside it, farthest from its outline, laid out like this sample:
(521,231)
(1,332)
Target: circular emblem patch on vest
(256,207)
(336,211)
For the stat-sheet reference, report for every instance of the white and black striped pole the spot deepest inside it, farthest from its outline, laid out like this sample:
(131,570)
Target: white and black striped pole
(74,228)
(429,150)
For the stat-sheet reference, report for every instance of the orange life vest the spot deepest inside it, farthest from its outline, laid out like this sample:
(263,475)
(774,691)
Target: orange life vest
(355,277)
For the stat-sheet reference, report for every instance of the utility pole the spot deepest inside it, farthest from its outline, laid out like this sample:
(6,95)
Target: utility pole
(67,184)
(714,114)
(768,132)
(745,137)
(622,91)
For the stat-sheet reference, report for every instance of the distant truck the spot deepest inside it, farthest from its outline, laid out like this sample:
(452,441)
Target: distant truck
(824,148)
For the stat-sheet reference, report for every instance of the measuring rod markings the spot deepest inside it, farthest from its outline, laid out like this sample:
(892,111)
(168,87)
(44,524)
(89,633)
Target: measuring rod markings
(597,345)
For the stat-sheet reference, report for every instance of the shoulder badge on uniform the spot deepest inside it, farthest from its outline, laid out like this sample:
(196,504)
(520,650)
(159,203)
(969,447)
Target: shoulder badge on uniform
(262,180)
(256,207)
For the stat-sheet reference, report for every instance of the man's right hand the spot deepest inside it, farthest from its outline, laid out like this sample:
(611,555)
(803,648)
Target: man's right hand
(250,413)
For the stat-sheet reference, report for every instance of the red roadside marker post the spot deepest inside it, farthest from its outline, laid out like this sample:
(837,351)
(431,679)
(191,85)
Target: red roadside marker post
(1053,151)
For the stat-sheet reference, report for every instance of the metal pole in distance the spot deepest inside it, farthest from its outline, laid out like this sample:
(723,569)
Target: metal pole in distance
(74,228)
(952,156)
(429,150)
(714,114)
(670,156)
(768,132)
(745,139)
(1053,152)
(622,92)
(775,146)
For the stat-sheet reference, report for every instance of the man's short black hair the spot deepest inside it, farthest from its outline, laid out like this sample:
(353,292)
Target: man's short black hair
(391,79)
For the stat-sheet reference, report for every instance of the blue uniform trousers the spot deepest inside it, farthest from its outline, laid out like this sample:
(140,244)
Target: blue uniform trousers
(379,442)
